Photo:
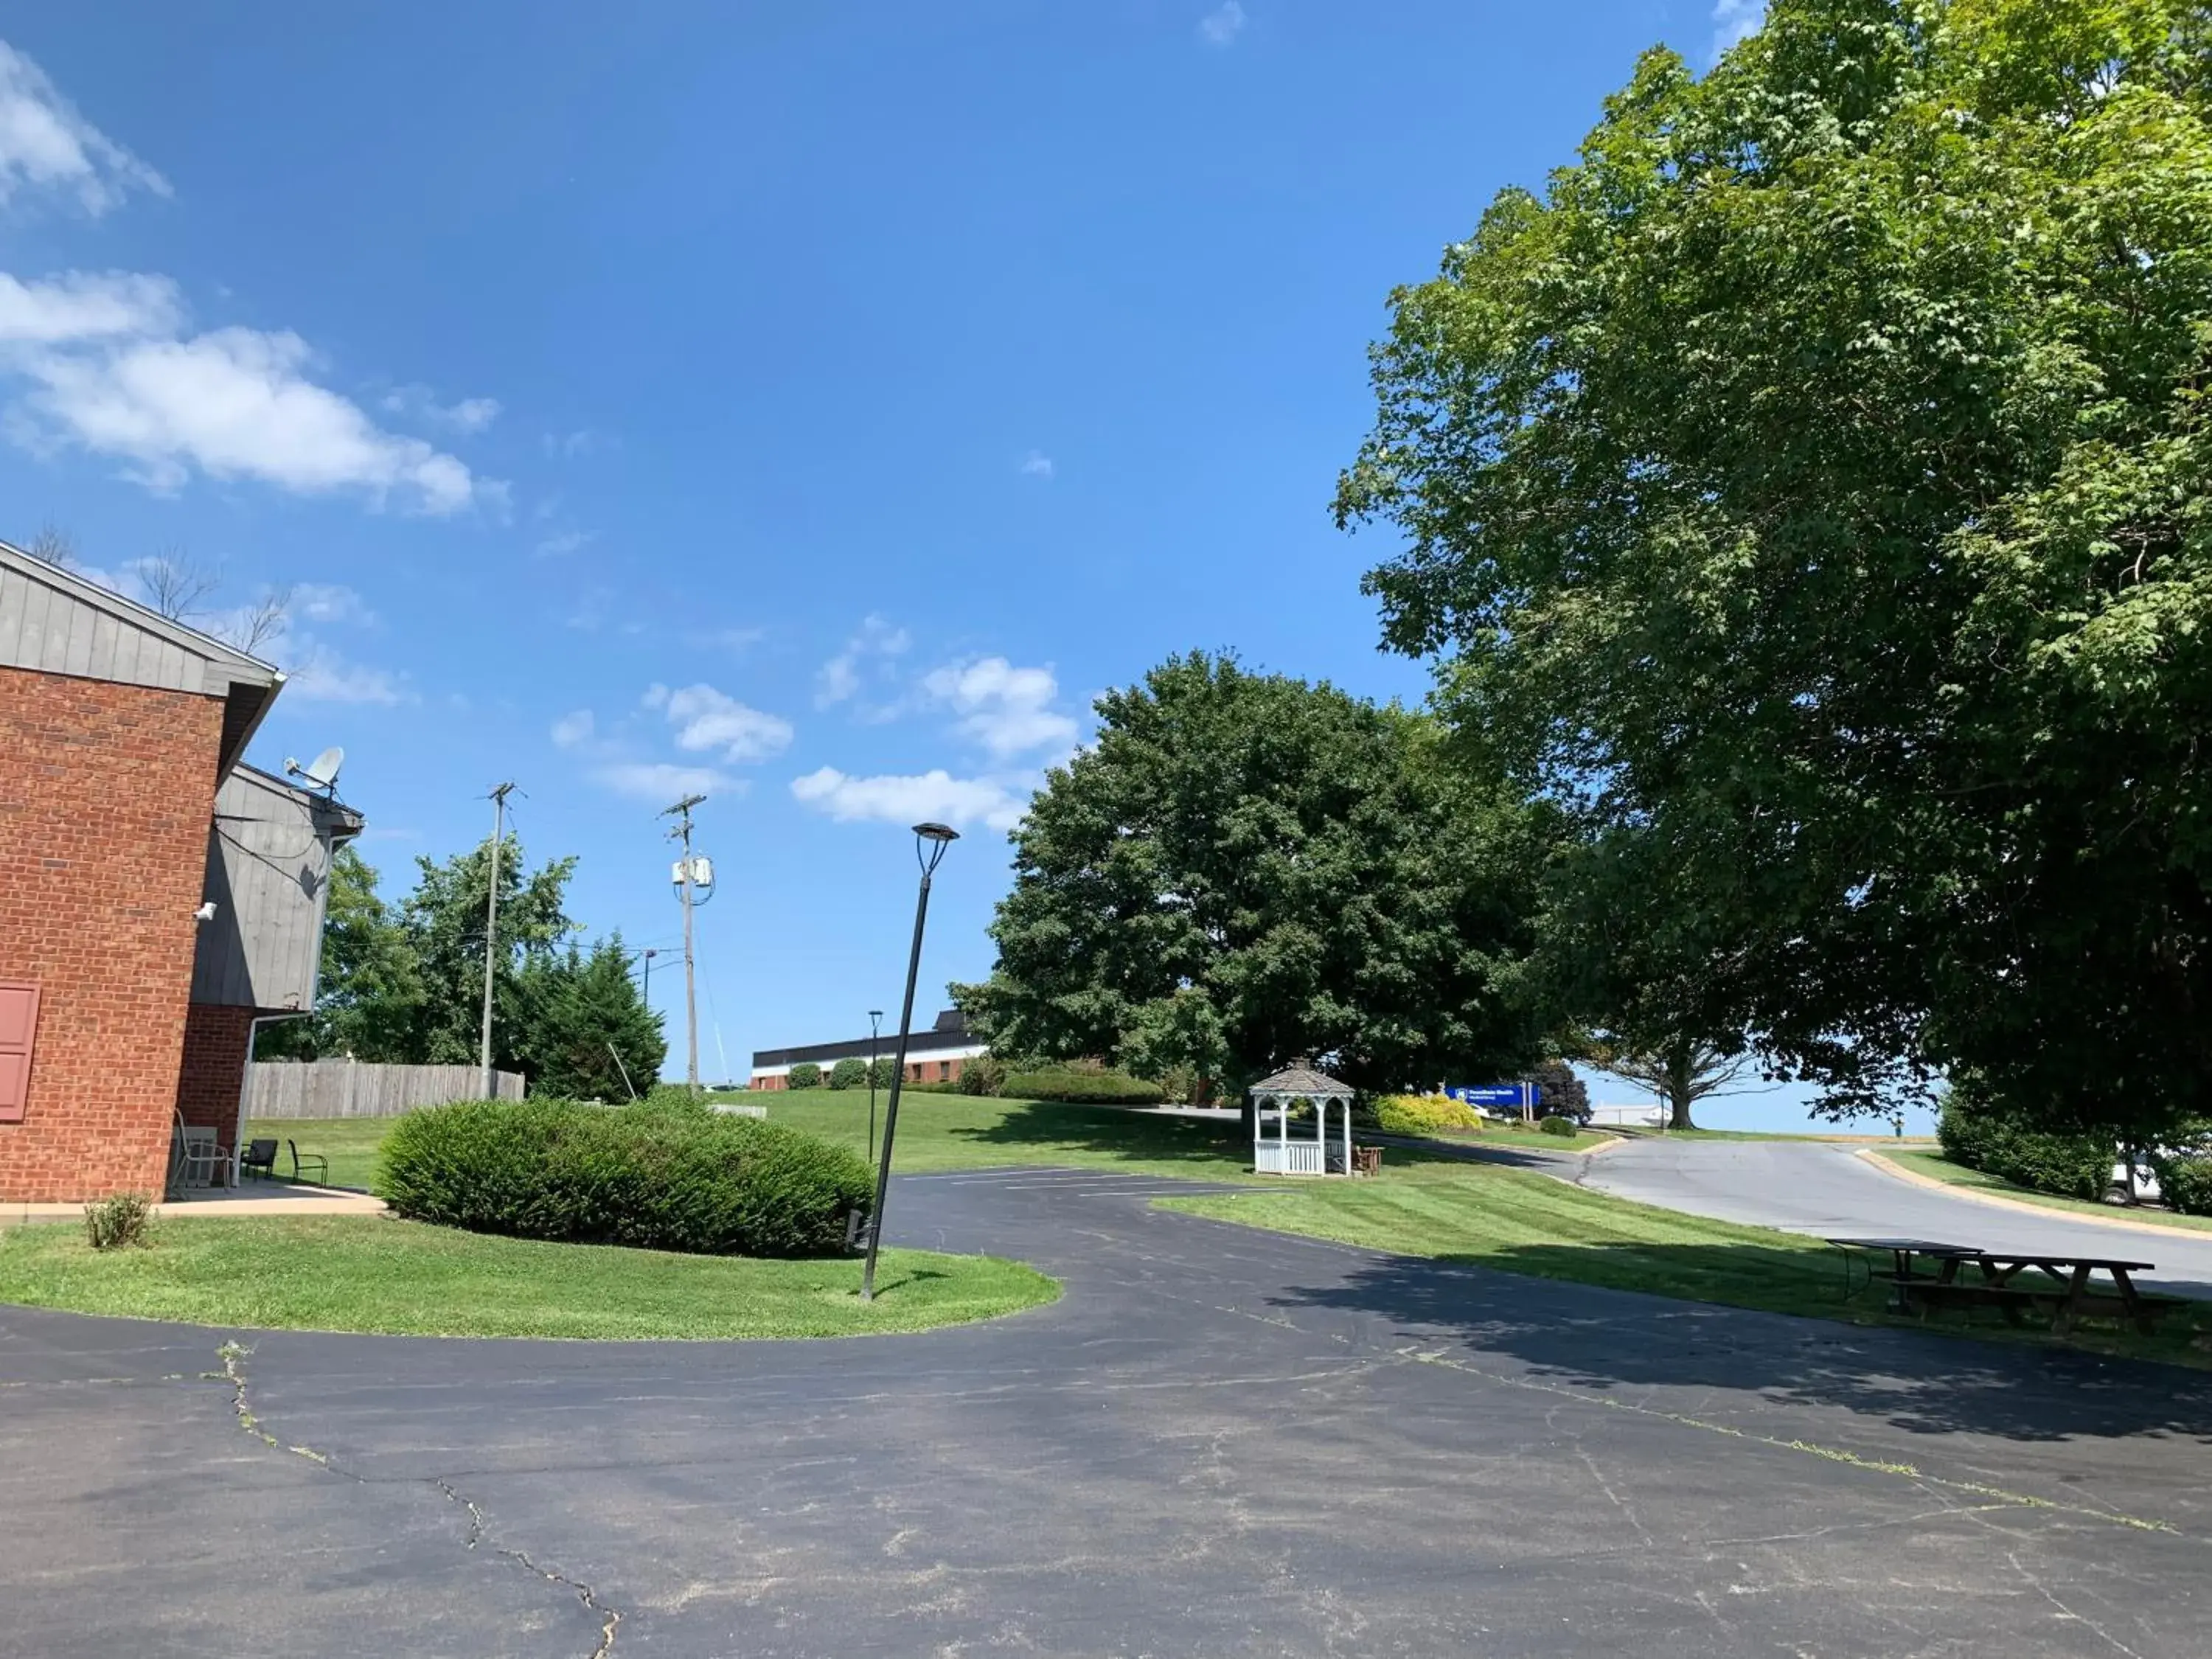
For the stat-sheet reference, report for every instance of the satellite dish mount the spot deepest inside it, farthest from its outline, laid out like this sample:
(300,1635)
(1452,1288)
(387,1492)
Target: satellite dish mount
(320,773)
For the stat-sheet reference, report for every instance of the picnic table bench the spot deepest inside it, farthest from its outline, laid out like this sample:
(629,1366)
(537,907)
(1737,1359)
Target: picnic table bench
(2064,1287)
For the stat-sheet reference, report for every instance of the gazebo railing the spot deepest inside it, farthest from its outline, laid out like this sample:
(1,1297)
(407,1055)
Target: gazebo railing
(1288,1157)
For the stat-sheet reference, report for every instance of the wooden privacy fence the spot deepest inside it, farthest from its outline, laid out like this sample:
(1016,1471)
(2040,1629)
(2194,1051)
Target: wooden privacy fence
(345,1088)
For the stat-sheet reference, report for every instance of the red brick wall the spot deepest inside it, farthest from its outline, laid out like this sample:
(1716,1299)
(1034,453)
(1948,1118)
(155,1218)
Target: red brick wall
(213,1072)
(106,795)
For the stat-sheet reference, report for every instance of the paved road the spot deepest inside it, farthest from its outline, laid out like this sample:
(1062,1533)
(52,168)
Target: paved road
(1825,1189)
(1220,1441)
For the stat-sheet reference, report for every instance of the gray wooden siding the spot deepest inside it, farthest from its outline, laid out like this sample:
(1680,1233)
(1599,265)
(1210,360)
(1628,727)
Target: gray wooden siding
(44,628)
(268,875)
(342,1088)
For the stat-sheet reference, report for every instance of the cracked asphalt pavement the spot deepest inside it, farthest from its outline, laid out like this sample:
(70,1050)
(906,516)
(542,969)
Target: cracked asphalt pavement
(1219,1441)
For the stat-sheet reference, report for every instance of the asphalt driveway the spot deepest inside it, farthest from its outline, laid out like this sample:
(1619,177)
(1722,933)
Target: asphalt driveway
(1220,1441)
(1824,1189)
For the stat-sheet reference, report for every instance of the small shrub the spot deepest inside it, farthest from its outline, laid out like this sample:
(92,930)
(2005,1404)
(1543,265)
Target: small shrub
(1556,1125)
(676,1177)
(1083,1088)
(883,1071)
(1424,1115)
(117,1223)
(805,1075)
(2185,1184)
(986,1074)
(849,1074)
(1183,1085)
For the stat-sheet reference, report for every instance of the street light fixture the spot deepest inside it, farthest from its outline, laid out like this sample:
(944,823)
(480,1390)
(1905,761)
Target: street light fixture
(875,1020)
(930,841)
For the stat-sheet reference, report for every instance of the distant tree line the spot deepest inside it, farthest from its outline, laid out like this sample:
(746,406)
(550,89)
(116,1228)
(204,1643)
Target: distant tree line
(402,982)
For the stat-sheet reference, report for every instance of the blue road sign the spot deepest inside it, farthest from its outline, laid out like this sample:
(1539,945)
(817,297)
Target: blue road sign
(1497,1094)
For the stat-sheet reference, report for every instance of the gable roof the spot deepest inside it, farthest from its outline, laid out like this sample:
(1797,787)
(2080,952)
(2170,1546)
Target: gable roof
(53,620)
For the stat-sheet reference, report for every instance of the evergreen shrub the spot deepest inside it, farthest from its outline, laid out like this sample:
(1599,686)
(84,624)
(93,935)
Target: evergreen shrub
(674,1177)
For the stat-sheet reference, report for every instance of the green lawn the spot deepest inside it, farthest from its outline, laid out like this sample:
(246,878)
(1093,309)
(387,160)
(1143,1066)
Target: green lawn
(936,1131)
(1957,1175)
(1522,1223)
(947,1131)
(370,1273)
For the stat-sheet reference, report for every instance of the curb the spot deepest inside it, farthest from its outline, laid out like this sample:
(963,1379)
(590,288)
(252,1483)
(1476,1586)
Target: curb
(1605,1145)
(1999,1201)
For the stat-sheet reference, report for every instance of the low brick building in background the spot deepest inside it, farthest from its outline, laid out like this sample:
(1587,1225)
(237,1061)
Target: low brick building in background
(158,898)
(937,1055)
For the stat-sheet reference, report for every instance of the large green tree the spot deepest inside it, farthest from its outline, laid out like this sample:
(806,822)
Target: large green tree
(587,1033)
(1809,484)
(1243,868)
(444,917)
(403,983)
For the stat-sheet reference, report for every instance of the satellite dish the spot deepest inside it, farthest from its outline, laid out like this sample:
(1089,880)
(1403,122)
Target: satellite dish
(320,773)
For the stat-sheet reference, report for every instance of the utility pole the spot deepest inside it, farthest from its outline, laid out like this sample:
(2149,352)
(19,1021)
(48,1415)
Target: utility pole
(682,833)
(491,930)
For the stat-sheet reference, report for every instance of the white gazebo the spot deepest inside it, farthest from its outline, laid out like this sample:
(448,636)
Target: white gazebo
(1272,1098)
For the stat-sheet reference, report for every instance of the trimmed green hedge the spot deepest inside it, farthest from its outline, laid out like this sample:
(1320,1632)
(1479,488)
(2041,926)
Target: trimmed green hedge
(659,1177)
(805,1075)
(1556,1125)
(849,1074)
(1983,1138)
(1083,1088)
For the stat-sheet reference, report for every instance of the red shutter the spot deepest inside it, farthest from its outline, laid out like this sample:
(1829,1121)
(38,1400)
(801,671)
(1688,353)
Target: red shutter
(19,1024)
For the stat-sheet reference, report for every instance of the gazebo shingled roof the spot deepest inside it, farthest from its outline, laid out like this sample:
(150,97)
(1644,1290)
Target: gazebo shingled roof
(1298,1082)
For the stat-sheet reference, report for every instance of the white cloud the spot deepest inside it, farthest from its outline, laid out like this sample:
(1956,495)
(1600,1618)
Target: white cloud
(1036,465)
(935,795)
(81,306)
(329,602)
(562,543)
(1006,708)
(660,782)
(870,649)
(706,718)
(469,415)
(234,404)
(573,729)
(1221,25)
(46,143)
(1735,20)
(109,364)
(320,675)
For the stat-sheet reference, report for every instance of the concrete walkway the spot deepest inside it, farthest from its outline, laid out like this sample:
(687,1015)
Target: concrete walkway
(224,1203)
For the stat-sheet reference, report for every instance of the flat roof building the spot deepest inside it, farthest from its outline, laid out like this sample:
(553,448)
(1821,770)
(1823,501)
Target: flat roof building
(937,1055)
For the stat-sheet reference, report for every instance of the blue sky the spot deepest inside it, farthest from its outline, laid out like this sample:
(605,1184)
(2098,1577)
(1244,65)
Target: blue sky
(813,407)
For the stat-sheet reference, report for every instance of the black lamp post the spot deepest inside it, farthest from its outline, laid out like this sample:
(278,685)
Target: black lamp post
(929,844)
(875,1018)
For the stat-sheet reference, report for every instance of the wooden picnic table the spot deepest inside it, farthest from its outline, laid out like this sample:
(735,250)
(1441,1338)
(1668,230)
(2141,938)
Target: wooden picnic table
(2067,1289)
(2073,1292)
(1903,1250)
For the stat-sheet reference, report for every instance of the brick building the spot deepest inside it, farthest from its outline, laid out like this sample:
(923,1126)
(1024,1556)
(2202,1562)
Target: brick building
(158,898)
(937,1055)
